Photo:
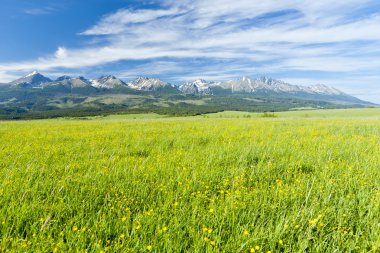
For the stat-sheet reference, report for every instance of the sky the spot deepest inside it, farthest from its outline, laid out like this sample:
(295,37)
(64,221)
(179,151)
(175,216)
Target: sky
(303,42)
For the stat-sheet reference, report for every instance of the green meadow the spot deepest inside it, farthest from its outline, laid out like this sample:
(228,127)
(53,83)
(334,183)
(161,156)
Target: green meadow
(302,181)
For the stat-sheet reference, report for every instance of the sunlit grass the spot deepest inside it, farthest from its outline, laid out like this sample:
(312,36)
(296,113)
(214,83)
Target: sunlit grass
(243,184)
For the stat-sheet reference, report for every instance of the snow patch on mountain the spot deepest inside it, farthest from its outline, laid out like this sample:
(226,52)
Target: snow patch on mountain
(32,80)
(261,86)
(323,89)
(267,84)
(147,84)
(107,82)
(199,86)
(32,74)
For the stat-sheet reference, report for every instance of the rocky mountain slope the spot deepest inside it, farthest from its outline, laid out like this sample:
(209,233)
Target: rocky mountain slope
(148,84)
(199,86)
(32,80)
(107,82)
(68,82)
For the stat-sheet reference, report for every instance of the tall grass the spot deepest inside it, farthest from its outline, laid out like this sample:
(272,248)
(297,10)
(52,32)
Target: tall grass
(190,185)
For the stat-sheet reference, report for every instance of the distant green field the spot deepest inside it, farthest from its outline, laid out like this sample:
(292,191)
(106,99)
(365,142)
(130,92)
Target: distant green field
(372,113)
(300,181)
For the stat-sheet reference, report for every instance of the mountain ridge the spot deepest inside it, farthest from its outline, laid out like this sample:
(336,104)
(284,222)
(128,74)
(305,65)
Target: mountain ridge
(31,80)
(264,86)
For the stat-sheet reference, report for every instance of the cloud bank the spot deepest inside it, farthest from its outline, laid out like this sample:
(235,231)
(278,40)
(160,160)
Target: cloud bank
(331,40)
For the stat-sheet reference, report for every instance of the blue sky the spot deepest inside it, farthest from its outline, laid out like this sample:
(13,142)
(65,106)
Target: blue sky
(300,41)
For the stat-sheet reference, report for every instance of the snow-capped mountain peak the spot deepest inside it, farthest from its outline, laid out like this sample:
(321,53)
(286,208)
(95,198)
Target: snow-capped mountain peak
(246,79)
(107,82)
(32,74)
(200,82)
(32,80)
(262,86)
(199,86)
(147,84)
(324,89)
(269,85)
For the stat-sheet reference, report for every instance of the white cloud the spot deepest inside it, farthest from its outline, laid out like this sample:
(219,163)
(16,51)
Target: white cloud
(293,35)
(61,53)
(7,77)
(39,11)
(117,22)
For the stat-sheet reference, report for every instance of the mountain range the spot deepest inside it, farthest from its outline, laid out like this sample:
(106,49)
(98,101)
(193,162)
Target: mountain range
(37,96)
(263,86)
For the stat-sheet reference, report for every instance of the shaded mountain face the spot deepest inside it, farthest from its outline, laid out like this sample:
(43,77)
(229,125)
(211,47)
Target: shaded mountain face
(107,82)
(32,80)
(68,82)
(62,78)
(148,84)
